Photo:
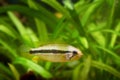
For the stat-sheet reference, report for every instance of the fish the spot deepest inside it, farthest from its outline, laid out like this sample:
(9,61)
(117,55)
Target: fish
(57,52)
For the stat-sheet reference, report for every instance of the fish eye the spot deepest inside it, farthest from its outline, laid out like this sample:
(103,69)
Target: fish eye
(74,52)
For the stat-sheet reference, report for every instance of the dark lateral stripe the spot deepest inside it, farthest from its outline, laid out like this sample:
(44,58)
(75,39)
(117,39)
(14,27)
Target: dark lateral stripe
(48,51)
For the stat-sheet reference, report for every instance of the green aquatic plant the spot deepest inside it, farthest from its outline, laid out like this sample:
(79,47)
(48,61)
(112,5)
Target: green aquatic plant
(93,26)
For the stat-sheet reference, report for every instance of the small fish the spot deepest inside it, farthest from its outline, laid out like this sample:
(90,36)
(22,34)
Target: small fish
(57,52)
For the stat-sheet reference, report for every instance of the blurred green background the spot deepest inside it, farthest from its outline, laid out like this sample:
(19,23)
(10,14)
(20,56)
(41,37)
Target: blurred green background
(93,26)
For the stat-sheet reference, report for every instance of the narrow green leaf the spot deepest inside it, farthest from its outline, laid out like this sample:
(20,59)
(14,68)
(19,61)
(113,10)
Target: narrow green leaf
(114,36)
(57,6)
(12,54)
(14,71)
(48,65)
(42,31)
(106,68)
(5,71)
(7,28)
(37,68)
(21,29)
(89,12)
(49,15)
(111,15)
(68,4)
(97,34)
(76,72)
(112,54)
(80,6)
(32,36)
(7,31)
(41,27)
(84,42)
(86,69)
(112,31)
(59,28)
(71,15)
(28,11)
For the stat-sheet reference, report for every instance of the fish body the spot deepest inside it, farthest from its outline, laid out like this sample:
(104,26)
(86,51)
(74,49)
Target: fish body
(57,53)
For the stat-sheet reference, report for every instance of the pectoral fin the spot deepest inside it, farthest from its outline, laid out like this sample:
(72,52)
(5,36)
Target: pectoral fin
(69,56)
